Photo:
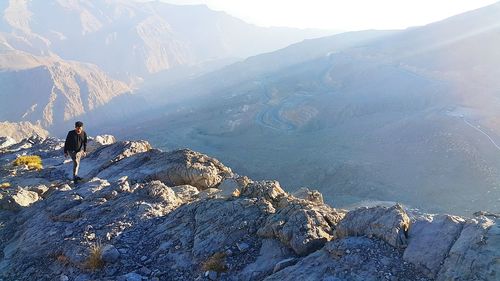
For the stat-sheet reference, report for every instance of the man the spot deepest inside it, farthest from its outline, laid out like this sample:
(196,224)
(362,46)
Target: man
(76,147)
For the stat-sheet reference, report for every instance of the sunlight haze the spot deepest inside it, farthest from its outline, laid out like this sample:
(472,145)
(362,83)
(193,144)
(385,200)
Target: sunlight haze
(343,15)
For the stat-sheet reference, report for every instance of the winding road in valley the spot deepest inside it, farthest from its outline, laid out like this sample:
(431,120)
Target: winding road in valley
(271,115)
(482,132)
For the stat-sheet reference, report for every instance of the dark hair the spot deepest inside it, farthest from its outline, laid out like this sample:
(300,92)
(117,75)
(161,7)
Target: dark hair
(78,124)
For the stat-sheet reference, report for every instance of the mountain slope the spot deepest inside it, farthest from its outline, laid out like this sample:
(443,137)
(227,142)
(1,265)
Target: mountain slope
(50,91)
(130,39)
(182,215)
(409,116)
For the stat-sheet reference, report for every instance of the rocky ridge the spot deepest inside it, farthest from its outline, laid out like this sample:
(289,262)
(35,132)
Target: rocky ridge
(146,214)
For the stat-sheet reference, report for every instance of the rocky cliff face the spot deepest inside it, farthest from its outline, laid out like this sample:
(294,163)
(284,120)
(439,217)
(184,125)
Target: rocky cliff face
(146,214)
(44,90)
(12,132)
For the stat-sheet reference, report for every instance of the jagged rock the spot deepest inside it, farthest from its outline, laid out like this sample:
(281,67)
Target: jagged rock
(6,141)
(229,188)
(271,252)
(178,167)
(284,263)
(209,193)
(310,195)
(186,192)
(98,141)
(221,223)
(302,225)
(162,214)
(429,240)
(269,190)
(475,255)
(106,156)
(109,254)
(390,224)
(40,189)
(14,200)
(361,264)
(158,191)
(21,130)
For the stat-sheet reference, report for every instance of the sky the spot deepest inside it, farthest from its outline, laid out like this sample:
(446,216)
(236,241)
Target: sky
(341,14)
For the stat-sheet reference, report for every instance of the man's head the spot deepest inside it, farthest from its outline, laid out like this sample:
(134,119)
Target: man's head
(79,127)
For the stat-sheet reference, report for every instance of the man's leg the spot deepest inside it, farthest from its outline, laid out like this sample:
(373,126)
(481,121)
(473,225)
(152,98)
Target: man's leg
(75,156)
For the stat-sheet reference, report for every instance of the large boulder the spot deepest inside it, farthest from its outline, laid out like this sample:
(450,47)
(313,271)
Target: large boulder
(104,157)
(98,141)
(430,239)
(269,190)
(220,223)
(388,223)
(302,225)
(179,167)
(475,255)
(17,198)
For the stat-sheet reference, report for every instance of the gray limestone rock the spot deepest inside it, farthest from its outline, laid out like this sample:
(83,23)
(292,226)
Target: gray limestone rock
(109,254)
(360,264)
(429,240)
(475,255)
(390,224)
(180,167)
(307,194)
(269,190)
(302,225)
(220,223)
(168,212)
(271,252)
(284,263)
(186,192)
(17,198)
(98,141)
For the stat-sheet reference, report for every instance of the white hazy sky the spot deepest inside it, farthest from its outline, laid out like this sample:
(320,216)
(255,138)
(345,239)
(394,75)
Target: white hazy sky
(340,14)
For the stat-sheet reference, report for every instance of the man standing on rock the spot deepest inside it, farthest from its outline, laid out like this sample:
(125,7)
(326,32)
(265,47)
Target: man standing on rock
(76,147)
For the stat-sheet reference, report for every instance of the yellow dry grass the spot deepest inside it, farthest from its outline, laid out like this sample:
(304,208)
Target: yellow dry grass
(34,162)
(4,185)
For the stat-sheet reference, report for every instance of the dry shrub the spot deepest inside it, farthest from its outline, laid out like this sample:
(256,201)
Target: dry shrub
(34,162)
(217,263)
(94,260)
(60,257)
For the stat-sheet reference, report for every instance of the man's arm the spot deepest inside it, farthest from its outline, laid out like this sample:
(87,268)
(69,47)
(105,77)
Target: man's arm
(66,143)
(84,142)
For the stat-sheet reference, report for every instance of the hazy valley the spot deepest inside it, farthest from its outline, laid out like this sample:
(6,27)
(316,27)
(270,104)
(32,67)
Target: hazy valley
(399,115)
(377,116)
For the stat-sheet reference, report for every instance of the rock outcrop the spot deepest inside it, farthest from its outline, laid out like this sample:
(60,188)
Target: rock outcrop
(145,214)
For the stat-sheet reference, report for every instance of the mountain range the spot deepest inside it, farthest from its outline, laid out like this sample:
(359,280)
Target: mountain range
(397,115)
(70,47)
(408,116)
